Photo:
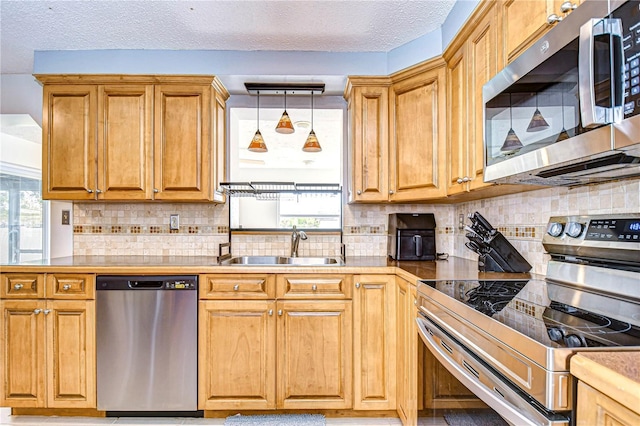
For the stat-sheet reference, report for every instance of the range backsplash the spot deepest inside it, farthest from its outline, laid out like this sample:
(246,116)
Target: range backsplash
(143,228)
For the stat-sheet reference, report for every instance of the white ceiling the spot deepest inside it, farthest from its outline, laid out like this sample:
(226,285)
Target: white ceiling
(244,25)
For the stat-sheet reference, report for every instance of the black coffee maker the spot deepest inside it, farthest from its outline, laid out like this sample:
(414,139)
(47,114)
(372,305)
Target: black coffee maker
(412,236)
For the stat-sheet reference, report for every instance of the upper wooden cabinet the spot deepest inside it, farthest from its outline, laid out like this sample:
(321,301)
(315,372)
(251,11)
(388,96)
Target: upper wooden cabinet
(109,137)
(397,135)
(472,60)
(524,21)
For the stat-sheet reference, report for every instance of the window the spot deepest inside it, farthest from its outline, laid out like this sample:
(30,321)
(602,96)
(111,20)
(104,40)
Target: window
(286,162)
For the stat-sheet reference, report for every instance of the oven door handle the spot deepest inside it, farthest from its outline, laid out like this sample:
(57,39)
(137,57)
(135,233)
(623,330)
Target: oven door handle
(469,375)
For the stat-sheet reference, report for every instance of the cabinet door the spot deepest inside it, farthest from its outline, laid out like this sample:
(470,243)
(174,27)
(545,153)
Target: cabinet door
(305,286)
(237,355)
(125,142)
(22,286)
(483,62)
(458,122)
(182,142)
(411,360)
(374,343)
(69,114)
(71,286)
(71,378)
(402,304)
(22,341)
(219,152)
(417,147)
(369,138)
(596,408)
(314,355)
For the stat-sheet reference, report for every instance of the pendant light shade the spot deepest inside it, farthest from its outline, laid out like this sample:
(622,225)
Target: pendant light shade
(538,123)
(257,143)
(285,126)
(512,142)
(312,144)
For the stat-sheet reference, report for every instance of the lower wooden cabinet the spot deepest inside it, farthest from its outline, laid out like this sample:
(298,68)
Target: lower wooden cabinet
(374,340)
(48,354)
(245,345)
(595,408)
(407,352)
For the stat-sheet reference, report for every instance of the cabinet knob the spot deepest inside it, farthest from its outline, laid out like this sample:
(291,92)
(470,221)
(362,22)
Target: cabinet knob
(98,191)
(314,287)
(236,287)
(270,312)
(415,302)
(90,191)
(37,311)
(459,180)
(357,285)
(466,179)
(567,7)
(66,287)
(358,192)
(155,190)
(46,311)
(279,312)
(18,286)
(553,18)
(391,191)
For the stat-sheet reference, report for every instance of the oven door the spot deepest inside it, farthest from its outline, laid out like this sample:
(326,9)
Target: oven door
(509,402)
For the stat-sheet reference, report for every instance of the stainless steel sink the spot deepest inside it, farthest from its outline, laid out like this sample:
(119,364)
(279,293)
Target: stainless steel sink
(282,260)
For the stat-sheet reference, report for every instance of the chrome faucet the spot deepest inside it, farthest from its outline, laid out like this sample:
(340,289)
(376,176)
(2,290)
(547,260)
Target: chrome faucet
(296,236)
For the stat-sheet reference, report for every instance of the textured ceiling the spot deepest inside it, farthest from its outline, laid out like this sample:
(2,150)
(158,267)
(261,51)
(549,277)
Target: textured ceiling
(325,25)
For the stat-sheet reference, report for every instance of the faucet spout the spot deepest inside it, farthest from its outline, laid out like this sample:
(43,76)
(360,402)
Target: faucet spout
(296,236)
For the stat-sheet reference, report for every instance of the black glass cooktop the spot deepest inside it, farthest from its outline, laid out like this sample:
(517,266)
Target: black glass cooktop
(525,306)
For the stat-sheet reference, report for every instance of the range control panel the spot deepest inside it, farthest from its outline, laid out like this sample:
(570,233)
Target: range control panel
(621,230)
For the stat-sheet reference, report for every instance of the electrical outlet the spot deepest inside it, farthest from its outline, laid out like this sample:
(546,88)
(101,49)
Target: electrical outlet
(174,222)
(66,217)
(461,221)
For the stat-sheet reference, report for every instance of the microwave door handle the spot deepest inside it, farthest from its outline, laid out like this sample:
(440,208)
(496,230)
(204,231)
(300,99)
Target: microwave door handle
(592,114)
(417,239)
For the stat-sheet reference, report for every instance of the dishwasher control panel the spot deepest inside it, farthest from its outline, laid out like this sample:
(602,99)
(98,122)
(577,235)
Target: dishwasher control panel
(180,285)
(147,282)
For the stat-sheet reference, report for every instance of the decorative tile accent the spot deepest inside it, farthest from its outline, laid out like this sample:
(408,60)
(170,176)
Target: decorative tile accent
(135,229)
(525,308)
(115,229)
(96,229)
(155,229)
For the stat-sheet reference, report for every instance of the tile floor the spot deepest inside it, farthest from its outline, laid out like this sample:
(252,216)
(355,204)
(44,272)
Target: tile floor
(6,419)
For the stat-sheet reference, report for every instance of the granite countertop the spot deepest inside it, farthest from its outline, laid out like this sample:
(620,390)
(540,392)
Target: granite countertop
(615,374)
(453,268)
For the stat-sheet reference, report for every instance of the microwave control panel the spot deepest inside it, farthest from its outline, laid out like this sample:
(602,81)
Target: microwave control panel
(629,13)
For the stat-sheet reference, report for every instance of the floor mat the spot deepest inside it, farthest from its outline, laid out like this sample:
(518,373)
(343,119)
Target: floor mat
(276,420)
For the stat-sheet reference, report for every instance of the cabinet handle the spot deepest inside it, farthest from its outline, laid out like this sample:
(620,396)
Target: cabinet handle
(357,285)
(358,192)
(415,302)
(391,191)
(270,312)
(314,287)
(155,190)
(98,191)
(18,286)
(90,191)
(46,311)
(66,287)
(37,311)
(280,312)
(553,18)
(236,287)
(567,7)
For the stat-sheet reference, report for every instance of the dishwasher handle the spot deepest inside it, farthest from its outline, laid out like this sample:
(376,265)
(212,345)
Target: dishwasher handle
(145,284)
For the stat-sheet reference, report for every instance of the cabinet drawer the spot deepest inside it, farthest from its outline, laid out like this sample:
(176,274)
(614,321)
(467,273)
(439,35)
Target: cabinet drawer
(244,286)
(313,287)
(71,286)
(22,286)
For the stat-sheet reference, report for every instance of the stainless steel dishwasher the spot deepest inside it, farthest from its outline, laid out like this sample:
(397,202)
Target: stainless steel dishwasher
(147,343)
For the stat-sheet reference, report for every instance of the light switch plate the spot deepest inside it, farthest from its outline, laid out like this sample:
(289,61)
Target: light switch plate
(174,222)
(66,217)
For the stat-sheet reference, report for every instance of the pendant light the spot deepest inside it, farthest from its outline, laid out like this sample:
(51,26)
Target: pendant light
(563,134)
(512,142)
(538,123)
(257,143)
(312,144)
(285,126)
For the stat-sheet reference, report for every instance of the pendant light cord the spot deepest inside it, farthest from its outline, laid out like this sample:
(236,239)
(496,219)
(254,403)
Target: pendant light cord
(312,110)
(258,121)
(510,112)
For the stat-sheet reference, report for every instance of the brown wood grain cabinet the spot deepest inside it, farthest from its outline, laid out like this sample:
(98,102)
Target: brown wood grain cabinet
(407,352)
(48,350)
(292,351)
(525,21)
(594,408)
(374,342)
(122,138)
(473,58)
(397,143)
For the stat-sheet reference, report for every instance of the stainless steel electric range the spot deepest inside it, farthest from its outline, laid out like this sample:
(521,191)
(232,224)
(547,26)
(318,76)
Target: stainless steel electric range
(510,340)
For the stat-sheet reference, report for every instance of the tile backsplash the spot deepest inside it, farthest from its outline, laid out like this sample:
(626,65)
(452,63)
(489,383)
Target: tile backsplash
(143,228)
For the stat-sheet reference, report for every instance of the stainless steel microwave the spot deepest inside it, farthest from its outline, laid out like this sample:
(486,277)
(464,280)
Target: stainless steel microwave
(567,111)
